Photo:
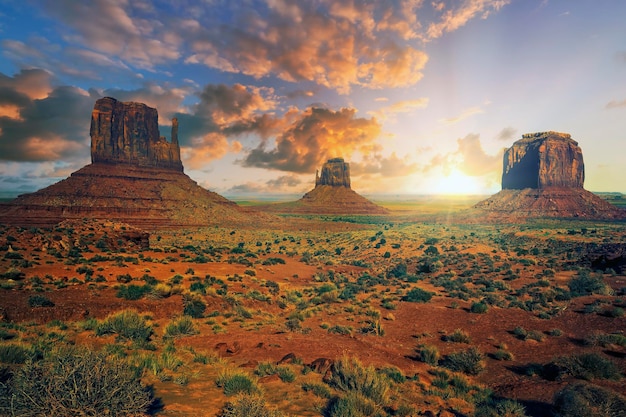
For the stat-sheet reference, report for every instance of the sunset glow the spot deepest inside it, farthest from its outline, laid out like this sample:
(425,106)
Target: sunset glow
(399,89)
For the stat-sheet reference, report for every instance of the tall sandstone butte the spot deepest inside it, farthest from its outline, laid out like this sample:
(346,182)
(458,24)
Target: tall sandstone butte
(335,173)
(135,177)
(542,160)
(542,176)
(128,133)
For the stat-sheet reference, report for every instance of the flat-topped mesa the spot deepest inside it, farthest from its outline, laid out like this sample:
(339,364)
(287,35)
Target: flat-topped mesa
(543,160)
(335,172)
(128,133)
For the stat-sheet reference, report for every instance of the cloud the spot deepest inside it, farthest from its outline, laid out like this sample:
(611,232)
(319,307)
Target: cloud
(404,106)
(42,129)
(473,159)
(208,148)
(128,30)
(507,134)
(314,136)
(453,19)
(391,166)
(615,104)
(464,115)
(282,184)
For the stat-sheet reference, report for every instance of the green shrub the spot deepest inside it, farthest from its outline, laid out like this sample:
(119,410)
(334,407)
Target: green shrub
(589,366)
(458,336)
(394,374)
(72,382)
(319,390)
(429,354)
(127,325)
(246,405)
(193,306)
(350,375)
(236,383)
(353,404)
(15,353)
(479,308)
(417,295)
(133,292)
(39,301)
(286,374)
(587,400)
(180,327)
(586,284)
(503,408)
(468,361)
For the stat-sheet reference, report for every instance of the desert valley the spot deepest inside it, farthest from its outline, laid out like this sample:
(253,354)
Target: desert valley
(128,289)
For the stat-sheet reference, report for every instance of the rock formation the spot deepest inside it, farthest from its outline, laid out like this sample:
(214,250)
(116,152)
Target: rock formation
(335,172)
(135,177)
(332,195)
(542,160)
(128,133)
(543,175)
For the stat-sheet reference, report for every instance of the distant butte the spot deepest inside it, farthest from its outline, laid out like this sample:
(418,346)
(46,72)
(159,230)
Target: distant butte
(136,177)
(332,195)
(543,176)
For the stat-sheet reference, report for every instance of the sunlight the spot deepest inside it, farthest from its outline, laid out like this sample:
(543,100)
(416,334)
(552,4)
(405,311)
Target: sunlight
(456,183)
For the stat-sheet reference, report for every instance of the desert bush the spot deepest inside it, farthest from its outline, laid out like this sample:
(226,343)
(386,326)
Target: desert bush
(16,353)
(503,355)
(479,308)
(236,382)
(353,404)
(589,366)
(286,374)
(417,295)
(127,325)
(458,336)
(133,292)
(193,306)
(587,400)
(246,405)
(180,327)
(394,374)
(503,408)
(72,382)
(429,354)
(606,339)
(319,390)
(348,374)
(586,284)
(39,301)
(468,361)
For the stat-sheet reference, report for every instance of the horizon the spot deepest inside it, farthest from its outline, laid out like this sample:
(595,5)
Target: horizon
(420,98)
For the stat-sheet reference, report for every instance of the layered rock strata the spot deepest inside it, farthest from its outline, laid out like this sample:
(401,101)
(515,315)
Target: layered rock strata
(128,133)
(136,177)
(543,176)
(332,195)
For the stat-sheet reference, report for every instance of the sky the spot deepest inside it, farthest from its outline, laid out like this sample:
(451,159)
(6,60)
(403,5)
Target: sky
(419,96)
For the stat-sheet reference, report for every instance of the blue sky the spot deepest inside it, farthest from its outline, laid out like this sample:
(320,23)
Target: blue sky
(420,96)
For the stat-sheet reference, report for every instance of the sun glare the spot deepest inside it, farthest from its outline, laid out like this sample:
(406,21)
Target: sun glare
(456,183)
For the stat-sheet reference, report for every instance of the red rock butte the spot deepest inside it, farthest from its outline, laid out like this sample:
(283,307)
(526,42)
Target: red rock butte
(136,177)
(332,195)
(542,176)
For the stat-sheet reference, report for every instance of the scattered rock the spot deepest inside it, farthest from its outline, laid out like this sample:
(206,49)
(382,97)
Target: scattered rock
(288,358)
(321,365)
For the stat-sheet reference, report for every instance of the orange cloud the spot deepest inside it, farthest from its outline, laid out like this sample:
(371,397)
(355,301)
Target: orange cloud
(451,20)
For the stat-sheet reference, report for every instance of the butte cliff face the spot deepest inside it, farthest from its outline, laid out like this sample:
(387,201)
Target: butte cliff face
(335,173)
(542,160)
(135,177)
(128,133)
(332,195)
(542,176)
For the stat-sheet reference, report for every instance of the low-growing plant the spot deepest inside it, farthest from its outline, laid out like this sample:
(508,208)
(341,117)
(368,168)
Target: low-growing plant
(468,361)
(417,295)
(247,405)
(76,381)
(16,353)
(236,382)
(479,308)
(458,336)
(180,327)
(586,400)
(127,325)
(353,404)
(39,301)
(589,366)
(193,306)
(349,375)
(319,390)
(429,354)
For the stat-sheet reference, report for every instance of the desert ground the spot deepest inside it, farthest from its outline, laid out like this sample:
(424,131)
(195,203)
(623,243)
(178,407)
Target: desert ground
(406,314)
